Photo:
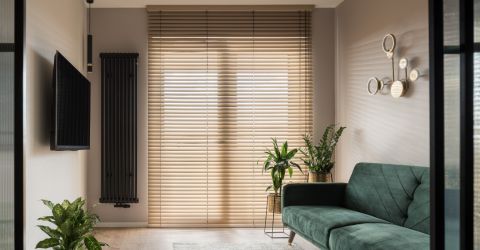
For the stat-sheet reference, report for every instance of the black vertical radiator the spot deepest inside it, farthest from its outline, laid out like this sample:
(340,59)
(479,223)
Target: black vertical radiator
(119,128)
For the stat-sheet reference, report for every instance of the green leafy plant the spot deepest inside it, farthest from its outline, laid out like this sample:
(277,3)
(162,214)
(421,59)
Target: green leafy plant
(278,162)
(74,227)
(318,158)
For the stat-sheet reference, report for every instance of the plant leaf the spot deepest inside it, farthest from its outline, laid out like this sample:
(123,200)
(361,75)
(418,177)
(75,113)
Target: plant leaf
(47,218)
(297,166)
(50,232)
(284,149)
(290,172)
(48,203)
(47,243)
(58,214)
(65,204)
(275,148)
(266,164)
(76,244)
(67,226)
(291,154)
(103,244)
(91,243)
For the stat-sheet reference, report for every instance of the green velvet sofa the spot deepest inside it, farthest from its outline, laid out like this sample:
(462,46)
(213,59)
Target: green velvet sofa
(382,207)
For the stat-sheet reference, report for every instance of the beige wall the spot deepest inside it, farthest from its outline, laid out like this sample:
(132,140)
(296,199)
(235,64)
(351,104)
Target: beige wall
(50,25)
(323,66)
(119,30)
(125,30)
(380,128)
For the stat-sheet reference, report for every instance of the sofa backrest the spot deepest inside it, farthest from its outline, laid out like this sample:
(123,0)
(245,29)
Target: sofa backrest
(396,193)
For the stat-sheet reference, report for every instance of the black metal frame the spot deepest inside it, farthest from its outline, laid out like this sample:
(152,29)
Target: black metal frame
(272,233)
(466,123)
(18,119)
(437,169)
(466,50)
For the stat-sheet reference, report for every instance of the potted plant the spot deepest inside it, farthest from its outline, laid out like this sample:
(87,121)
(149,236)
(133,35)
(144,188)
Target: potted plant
(73,227)
(318,158)
(278,162)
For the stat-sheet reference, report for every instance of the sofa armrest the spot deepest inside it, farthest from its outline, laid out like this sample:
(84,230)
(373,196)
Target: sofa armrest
(313,194)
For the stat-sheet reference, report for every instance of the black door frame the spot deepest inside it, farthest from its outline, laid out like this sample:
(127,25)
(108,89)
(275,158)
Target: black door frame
(466,50)
(18,120)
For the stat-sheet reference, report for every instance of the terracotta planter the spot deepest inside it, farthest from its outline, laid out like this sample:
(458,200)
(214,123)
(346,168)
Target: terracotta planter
(319,177)
(274,203)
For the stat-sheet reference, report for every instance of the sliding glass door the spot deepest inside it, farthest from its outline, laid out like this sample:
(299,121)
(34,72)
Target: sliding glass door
(7,56)
(455,124)
(11,40)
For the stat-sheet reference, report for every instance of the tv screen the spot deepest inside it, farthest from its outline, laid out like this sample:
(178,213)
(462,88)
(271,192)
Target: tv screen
(71,107)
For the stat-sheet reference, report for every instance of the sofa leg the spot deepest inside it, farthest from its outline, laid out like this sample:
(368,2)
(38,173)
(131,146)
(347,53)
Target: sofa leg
(290,238)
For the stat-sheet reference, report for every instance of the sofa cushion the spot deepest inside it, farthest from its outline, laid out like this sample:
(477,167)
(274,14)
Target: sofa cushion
(315,222)
(418,214)
(377,236)
(385,191)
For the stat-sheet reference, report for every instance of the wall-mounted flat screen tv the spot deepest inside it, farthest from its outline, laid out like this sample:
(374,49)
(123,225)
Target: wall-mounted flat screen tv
(71,107)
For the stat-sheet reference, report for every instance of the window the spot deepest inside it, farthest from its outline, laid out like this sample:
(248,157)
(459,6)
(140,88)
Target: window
(221,85)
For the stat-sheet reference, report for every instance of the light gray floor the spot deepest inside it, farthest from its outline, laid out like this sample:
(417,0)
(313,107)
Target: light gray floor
(163,239)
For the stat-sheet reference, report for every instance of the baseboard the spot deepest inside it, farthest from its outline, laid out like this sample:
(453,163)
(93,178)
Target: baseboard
(122,224)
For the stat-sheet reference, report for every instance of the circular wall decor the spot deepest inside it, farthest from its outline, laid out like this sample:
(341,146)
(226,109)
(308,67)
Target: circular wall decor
(393,41)
(403,63)
(398,89)
(374,85)
(414,75)
(401,78)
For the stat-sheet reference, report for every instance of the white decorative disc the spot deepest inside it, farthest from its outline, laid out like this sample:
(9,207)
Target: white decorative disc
(397,89)
(414,75)
(403,63)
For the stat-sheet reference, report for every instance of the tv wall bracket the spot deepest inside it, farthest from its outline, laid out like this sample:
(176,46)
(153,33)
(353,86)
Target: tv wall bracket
(398,87)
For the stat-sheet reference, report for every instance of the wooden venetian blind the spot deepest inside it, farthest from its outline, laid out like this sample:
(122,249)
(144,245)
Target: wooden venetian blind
(221,85)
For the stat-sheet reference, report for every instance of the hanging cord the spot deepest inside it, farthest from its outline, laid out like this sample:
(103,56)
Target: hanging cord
(89,16)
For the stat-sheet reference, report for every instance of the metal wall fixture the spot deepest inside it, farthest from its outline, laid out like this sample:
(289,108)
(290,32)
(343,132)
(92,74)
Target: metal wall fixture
(89,38)
(398,87)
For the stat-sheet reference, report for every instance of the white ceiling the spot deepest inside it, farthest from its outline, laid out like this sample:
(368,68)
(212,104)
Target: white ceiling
(143,3)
